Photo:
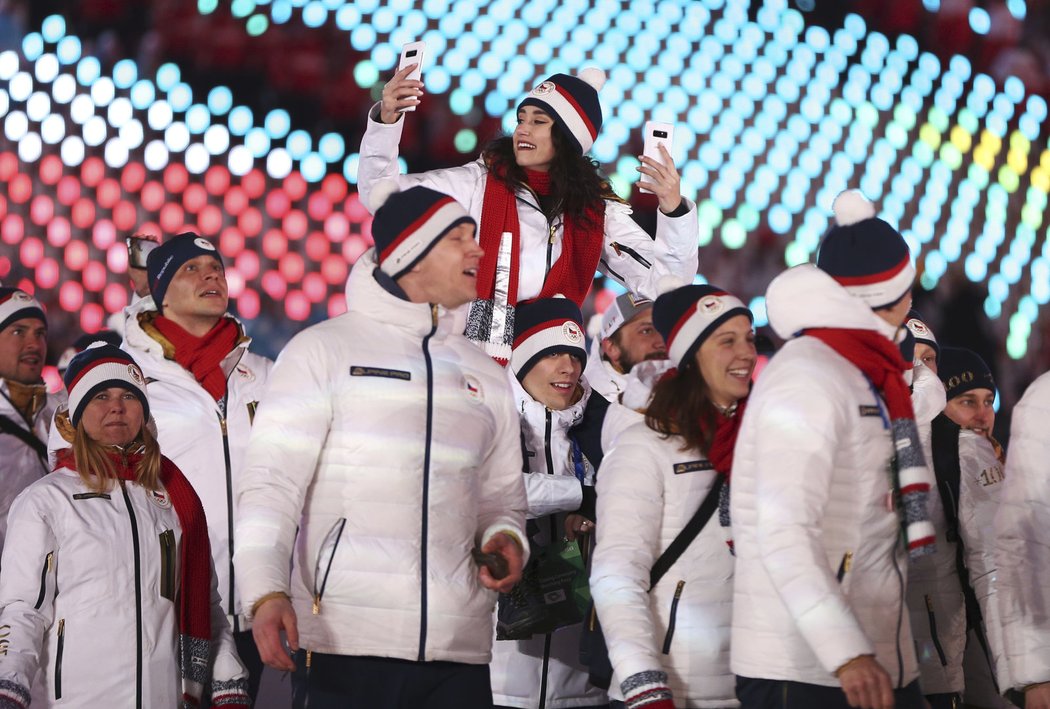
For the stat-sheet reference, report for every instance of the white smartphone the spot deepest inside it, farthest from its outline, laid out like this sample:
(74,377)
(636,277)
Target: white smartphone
(412,53)
(655,135)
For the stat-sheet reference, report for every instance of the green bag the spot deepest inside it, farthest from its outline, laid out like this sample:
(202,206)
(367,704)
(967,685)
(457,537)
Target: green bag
(552,593)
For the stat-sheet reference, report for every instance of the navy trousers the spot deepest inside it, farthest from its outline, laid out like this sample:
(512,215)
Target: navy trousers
(778,694)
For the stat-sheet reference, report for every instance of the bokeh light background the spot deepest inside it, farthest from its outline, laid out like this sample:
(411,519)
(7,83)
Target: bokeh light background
(774,117)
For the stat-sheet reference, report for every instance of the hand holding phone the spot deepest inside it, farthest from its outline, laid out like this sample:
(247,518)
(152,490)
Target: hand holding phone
(412,54)
(496,564)
(656,134)
(138,250)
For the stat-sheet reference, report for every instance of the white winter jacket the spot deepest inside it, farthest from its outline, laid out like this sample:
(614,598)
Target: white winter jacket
(20,465)
(88,598)
(204,441)
(391,443)
(521,668)
(1023,542)
(630,256)
(602,376)
(648,489)
(820,572)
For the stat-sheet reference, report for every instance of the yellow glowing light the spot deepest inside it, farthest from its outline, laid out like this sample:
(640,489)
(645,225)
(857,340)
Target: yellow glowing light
(1018,161)
(984,156)
(1019,142)
(961,139)
(1041,179)
(930,135)
(1044,161)
(994,142)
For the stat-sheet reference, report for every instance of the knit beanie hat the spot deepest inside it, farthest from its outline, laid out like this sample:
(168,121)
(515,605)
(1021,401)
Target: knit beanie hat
(962,370)
(165,260)
(865,254)
(81,343)
(621,311)
(921,332)
(688,315)
(99,367)
(572,101)
(544,327)
(16,304)
(409,223)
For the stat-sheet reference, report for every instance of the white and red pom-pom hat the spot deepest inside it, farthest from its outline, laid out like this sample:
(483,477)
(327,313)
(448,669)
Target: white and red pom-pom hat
(688,315)
(16,304)
(100,366)
(544,327)
(572,101)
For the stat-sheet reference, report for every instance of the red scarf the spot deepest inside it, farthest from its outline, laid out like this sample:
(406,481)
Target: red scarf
(201,356)
(194,563)
(880,361)
(571,275)
(724,441)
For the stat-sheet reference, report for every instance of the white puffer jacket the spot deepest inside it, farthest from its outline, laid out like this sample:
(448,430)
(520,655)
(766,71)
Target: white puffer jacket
(69,605)
(1023,542)
(521,669)
(20,465)
(630,256)
(205,442)
(648,490)
(391,444)
(602,376)
(820,572)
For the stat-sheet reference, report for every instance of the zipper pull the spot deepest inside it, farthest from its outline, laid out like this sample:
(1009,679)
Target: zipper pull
(678,589)
(50,560)
(317,605)
(848,564)
(434,314)
(551,227)
(222,425)
(309,656)
(929,603)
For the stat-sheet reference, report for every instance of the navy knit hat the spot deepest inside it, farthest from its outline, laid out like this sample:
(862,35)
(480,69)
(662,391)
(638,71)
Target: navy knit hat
(99,367)
(572,101)
(867,256)
(922,333)
(165,260)
(81,343)
(622,310)
(962,370)
(545,327)
(16,304)
(688,315)
(408,224)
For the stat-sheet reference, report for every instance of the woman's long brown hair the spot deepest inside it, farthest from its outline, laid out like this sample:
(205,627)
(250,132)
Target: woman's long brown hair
(681,407)
(97,469)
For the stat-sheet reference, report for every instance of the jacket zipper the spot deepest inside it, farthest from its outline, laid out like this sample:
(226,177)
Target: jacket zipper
(58,657)
(674,615)
(229,519)
(167,564)
(337,532)
(426,487)
(43,579)
(548,458)
(544,675)
(844,567)
(550,249)
(900,619)
(138,595)
(933,631)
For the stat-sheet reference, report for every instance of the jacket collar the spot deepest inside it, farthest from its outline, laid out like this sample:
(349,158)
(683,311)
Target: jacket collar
(143,338)
(534,413)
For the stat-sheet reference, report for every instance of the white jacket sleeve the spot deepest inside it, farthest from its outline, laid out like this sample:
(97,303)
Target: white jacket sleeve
(928,397)
(228,673)
(548,494)
(639,262)
(794,464)
(502,503)
(27,591)
(378,161)
(630,513)
(1023,541)
(980,490)
(290,428)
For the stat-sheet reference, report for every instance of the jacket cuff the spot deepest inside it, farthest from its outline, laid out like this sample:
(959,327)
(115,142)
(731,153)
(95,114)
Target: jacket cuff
(512,532)
(13,695)
(647,689)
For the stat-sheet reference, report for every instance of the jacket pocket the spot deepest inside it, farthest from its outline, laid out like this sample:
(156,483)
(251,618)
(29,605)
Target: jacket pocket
(48,561)
(168,562)
(324,561)
(674,615)
(933,631)
(844,566)
(59,647)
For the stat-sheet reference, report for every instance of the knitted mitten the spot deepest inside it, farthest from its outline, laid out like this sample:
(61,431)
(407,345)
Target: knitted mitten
(647,690)
(231,693)
(13,695)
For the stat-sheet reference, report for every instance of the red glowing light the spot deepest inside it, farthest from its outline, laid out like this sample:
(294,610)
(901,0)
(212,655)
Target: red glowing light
(194,198)
(210,220)
(52,379)
(295,186)
(5,266)
(355,210)
(318,206)
(76,255)
(50,169)
(603,299)
(31,252)
(133,177)
(20,189)
(68,190)
(254,184)
(92,317)
(234,282)
(217,180)
(292,267)
(278,204)
(314,287)
(71,296)
(248,304)
(92,171)
(58,232)
(334,187)
(171,218)
(231,242)
(297,306)
(353,248)
(114,298)
(12,229)
(274,245)
(47,273)
(104,234)
(274,285)
(41,210)
(336,305)
(235,201)
(337,227)
(107,193)
(250,221)
(125,216)
(8,166)
(247,262)
(3,206)
(334,269)
(83,213)
(316,246)
(95,276)
(295,224)
(27,285)
(117,258)
(153,196)
(176,178)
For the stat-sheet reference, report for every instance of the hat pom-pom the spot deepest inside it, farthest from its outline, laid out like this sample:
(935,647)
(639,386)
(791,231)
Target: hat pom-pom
(381,193)
(593,76)
(668,283)
(851,207)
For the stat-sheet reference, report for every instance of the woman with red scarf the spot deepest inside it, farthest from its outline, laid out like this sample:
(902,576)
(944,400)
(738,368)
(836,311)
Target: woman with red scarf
(548,219)
(108,594)
(669,641)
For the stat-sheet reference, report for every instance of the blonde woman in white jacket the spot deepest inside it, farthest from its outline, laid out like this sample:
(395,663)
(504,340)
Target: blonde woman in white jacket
(108,596)
(669,645)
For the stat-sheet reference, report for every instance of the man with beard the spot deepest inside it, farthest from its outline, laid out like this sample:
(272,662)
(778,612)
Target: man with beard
(627,337)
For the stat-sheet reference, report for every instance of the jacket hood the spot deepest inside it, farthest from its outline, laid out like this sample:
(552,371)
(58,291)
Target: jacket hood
(807,297)
(364,295)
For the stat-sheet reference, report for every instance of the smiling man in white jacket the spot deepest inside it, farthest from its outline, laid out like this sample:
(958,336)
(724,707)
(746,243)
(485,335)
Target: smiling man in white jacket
(385,450)
(826,465)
